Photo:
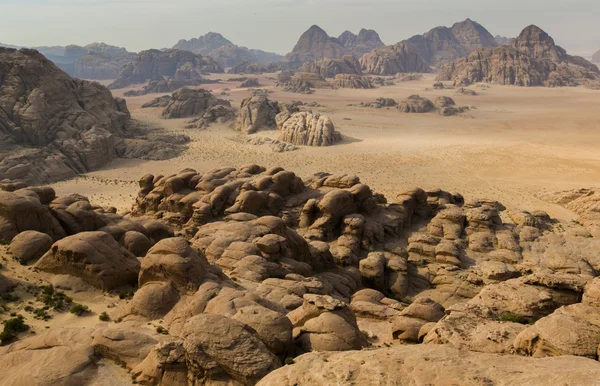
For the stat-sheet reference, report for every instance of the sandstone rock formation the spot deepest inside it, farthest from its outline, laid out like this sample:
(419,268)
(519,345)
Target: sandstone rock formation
(386,366)
(596,57)
(181,65)
(52,126)
(30,245)
(314,45)
(329,68)
(415,104)
(366,41)
(256,112)
(254,68)
(443,45)
(390,60)
(533,59)
(95,257)
(187,103)
(309,129)
(381,102)
(101,61)
(302,82)
(250,82)
(160,84)
(351,81)
(224,52)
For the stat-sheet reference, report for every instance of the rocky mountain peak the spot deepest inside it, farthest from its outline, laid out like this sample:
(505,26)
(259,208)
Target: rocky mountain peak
(369,36)
(538,44)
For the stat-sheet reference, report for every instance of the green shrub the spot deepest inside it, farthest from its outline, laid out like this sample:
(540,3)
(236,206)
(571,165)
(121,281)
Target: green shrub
(162,330)
(52,298)
(289,361)
(512,317)
(11,328)
(126,294)
(104,317)
(79,309)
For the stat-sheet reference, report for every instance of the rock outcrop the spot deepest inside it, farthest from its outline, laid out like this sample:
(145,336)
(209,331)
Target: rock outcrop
(181,65)
(254,68)
(314,45)
(390,60)
(257,112)
(443,45)
(416,104)
(366,41)
(302,82)
(53,127)
(533,59)
(329,68)
(309,129)
(160,84)
(351,81)
(187,103)
(596,57)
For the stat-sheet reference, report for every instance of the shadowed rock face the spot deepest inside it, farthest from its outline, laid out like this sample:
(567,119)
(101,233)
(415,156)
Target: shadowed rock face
(224,51)
(315,44)
(390,60)
(533,59)
(174,63)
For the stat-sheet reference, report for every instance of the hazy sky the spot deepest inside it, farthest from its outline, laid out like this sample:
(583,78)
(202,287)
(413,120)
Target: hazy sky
(275,25)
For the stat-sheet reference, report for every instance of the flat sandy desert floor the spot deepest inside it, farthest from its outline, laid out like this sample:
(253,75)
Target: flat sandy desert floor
(513,144)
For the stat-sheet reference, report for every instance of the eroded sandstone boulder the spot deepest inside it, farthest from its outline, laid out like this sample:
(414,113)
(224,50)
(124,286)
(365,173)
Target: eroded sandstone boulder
(309,129)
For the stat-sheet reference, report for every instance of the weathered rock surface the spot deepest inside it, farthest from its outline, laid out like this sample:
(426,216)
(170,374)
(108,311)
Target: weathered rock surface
(416,104)
(366,41)
(30,245)
(52,126)
(314,45)
(254,68)
(351,81)
(181,65)
(444,365)
(309,129)
(390,60)
(443,45)
(187,103)
(329,68)
(533,59)
(302,82)
(257,112)
(94,257)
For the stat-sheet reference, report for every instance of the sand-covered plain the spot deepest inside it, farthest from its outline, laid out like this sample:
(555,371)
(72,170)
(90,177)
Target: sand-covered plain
(513,144)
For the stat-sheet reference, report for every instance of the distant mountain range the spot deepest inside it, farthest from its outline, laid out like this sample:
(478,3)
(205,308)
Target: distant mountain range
(224,52)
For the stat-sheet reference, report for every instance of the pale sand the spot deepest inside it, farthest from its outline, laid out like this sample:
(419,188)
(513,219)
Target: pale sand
(516,143)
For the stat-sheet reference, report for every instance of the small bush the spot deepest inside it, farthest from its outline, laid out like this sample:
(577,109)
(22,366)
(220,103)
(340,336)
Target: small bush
(162,330)
(79,309)
(104,317)
(11,328)
(514,318)
(52,298)
(289,361)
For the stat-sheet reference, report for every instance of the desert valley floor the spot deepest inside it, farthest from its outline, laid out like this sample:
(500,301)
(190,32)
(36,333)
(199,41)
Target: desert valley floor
(510,146)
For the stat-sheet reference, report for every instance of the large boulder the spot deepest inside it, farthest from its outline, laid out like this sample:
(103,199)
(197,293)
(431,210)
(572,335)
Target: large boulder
(309,129)
(256,113)
(186,103)
(220,348)
(94,257)
(415,104)
(30,245)
(323,323)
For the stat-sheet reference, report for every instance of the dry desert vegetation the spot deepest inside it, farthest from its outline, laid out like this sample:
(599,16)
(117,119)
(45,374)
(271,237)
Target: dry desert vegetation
(349,214)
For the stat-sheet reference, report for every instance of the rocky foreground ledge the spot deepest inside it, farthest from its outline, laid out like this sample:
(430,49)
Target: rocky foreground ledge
(256,276)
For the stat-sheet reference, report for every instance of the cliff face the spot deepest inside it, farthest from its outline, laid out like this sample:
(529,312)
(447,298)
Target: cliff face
(390,60)
(442,44)
(51,125)
(533,59)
